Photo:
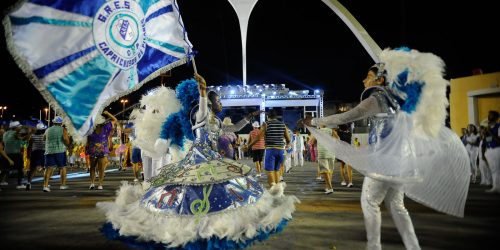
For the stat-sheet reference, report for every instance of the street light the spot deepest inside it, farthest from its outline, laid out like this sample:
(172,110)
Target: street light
(124,102)
(46,110)
(2,108)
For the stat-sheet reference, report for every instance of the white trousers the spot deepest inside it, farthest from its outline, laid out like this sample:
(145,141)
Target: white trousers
(485,171)
(473,150)
(372,195)
(151,165)
(298,158)
(240,153)
(492,155)
(288,162)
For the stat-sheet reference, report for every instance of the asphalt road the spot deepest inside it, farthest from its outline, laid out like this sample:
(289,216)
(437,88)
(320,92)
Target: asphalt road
(68,219)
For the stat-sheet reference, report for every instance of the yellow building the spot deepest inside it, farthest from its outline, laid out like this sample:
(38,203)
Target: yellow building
(471,98)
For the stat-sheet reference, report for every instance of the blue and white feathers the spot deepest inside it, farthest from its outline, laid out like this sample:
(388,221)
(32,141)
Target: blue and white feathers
(177,127)
(156,106)
(416,78)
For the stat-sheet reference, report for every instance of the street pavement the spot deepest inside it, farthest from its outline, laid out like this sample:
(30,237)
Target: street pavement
(68,219)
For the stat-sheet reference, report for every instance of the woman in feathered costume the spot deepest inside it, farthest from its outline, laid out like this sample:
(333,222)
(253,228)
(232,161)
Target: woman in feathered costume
(204,201)
(410,150)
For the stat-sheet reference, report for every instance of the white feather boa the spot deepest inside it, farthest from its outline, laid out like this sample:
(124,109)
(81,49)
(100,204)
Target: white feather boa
(430,113)
(159,104)
(239,224)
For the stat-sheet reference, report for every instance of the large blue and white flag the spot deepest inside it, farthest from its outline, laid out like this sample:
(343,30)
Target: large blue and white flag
(82,55)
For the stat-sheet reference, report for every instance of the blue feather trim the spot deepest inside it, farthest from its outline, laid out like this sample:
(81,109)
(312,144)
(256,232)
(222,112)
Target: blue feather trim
(187,93)
(403,48)
(177,126)
(212,243)
(407,93)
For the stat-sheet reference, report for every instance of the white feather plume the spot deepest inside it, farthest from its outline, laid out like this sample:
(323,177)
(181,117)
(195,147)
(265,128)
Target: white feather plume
(159,104)
(430,113)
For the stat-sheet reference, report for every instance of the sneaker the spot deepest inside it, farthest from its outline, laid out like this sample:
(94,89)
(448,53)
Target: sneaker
(21,186)
(28,186)
(46,189)
(91,186)
(99,187)
(136,180)
(343,183)
(4,183)
(63,187)
(350,185)
(319,178)
(328,191)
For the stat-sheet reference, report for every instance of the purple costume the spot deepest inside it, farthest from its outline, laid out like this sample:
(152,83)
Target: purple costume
(97,144)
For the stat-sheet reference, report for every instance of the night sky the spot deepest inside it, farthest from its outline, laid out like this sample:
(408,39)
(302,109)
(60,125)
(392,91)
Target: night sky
(306,46)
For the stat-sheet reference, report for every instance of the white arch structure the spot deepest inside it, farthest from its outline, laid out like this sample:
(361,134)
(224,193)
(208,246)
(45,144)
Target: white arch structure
(363,37)
(244,8)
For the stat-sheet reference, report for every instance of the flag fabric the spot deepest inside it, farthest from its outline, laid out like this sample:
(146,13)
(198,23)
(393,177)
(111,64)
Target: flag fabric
(82,55)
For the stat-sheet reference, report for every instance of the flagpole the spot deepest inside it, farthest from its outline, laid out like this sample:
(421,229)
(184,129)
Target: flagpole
(128,108)
(194,65)
(48,118)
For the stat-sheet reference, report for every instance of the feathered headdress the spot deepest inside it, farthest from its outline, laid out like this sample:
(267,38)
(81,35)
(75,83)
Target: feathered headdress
(416,78)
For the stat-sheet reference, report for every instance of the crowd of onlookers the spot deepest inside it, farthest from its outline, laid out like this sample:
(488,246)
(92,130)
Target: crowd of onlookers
(483,146)
(26,151)
(23,151)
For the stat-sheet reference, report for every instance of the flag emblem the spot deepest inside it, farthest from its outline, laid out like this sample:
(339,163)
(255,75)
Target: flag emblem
(82,55)
(119,31)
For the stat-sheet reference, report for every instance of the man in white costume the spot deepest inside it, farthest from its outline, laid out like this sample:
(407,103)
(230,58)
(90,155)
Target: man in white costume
(298,149)
(399,94)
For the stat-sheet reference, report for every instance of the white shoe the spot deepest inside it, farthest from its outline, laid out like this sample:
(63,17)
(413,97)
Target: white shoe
(4,183)
(63,187)
(319,178)
(343,183)
(350,185)
(136,180)
(328,191)
(21,187)
(99,187)
(46,189)
(91,186)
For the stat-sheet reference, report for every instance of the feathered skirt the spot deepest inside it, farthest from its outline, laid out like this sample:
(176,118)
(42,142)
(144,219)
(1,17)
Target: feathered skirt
(202,202)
